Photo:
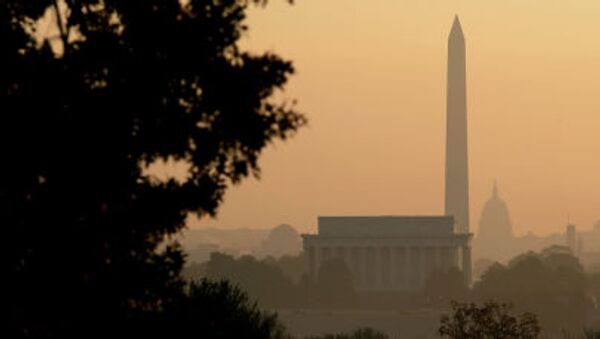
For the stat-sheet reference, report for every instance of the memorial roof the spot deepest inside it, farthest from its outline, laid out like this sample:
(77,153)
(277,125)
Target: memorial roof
(385,226)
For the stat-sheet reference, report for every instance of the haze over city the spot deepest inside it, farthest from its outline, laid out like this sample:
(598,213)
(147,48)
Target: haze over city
(371,78)
(301,169)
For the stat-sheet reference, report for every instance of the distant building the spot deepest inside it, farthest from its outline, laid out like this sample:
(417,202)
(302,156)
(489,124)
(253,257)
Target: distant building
(571,238)
(281,240)
(398,252)
(494,239)
(388,252)
(495,245)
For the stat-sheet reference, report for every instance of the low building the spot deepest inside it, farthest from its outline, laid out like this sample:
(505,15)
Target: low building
(388,252)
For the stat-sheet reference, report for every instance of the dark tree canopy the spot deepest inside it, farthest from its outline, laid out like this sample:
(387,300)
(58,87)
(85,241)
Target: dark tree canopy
(218,310)
(335,284)
(262,280)
(488,321)
(551,284)
(442,286)
(359,333)
(123,84)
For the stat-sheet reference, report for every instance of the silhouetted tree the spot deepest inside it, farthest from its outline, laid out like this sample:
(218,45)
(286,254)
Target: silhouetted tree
(217,309)
(116,87)
(335,284)
(263,281)
(591,333)
(361,333)
(442,286)
(551,284)
(594,287)
(292,266)
(489,321)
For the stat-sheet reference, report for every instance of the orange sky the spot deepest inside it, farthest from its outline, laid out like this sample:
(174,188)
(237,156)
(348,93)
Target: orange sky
(371,78)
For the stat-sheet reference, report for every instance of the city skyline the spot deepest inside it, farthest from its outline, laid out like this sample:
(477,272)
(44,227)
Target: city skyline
(533,115)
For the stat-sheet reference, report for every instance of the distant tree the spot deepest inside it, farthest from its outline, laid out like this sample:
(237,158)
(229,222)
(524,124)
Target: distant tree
(593,286)
(263,281)
(335,284)
(489,321)
(551,284)
(591,333)
(443,286)
(291,265)
(480,266)
(361,333)
(217,310)
(114,88)
(193,272)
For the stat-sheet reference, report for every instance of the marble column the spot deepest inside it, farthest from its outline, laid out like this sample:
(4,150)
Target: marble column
(407,269)
(378,267)
(439,259)
(446,258)
(399,267)
(309,262)
(371,267)
(454,257)
(355,265)
(362,254)
(339,252)
(318,253)
(393,267)
(385,262)
(325,253)
(423,264)
(415,267)
(347,257)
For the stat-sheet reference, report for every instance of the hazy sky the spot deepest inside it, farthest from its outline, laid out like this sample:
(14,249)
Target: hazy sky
(371,78)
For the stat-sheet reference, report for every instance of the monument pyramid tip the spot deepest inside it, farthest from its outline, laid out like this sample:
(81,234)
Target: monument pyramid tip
(456,28)
(456,22)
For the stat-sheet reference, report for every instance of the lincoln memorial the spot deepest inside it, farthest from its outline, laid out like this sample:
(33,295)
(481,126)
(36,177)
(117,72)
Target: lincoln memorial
(388,252)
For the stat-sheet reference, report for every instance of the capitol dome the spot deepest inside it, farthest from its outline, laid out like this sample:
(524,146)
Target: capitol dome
(495,220)
(494,239)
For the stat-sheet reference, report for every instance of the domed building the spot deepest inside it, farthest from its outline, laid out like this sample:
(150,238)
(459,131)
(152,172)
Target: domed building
(494,239)
(281,240)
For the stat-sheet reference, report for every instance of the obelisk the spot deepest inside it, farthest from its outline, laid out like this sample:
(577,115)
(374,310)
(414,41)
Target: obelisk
(457,169)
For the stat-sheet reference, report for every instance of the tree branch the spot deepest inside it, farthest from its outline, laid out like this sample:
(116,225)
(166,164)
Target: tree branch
(63,31)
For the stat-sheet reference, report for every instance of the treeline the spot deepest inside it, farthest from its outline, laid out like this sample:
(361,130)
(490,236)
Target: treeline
(551,284)
(273,282)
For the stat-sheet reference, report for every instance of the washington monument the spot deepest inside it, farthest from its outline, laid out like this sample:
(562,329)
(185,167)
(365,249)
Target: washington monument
(457,171)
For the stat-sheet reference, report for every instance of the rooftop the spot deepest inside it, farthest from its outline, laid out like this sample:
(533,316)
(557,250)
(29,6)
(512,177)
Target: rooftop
(385,226)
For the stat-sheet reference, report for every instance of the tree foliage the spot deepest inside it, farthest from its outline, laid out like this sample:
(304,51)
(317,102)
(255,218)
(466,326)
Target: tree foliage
(551,284)
(360,333)
(219,310)
(335,284)
(489,321)
(113,87)
(593,284)
(292,266)
(442,286)
(263,281)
